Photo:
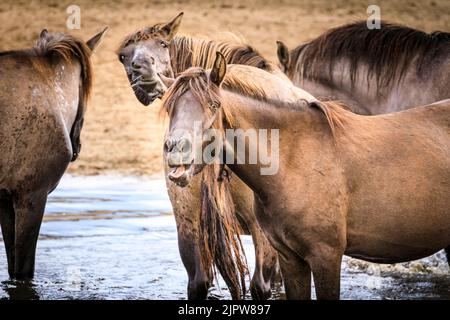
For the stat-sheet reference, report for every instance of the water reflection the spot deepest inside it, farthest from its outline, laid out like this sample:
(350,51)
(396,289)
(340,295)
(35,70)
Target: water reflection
(109,237)
(19,290)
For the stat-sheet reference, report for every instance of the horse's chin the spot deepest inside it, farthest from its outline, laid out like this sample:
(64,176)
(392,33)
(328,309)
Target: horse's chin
(147,94)
(146,98)
(142,96)
(181,175)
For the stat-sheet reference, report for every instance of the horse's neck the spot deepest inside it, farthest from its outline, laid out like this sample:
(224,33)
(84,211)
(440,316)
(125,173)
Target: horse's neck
(365,95)
(286,130)
(359,101)
(66,81)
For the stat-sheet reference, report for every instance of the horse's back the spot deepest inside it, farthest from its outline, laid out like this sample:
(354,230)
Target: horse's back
(434,116)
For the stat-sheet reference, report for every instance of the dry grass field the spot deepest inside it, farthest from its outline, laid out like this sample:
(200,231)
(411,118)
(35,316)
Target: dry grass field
(123,136)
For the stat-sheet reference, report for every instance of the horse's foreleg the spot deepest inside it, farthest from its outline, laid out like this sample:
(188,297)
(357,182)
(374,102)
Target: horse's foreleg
(296,275)
(266,263)
(199,280)
(7,222)
(326,269)
(186,206)
(29,210)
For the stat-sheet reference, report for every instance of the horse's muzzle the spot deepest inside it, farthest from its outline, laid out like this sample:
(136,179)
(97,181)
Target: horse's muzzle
(180,175)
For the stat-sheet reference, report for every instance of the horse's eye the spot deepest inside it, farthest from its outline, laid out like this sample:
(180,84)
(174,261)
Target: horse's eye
(164,44)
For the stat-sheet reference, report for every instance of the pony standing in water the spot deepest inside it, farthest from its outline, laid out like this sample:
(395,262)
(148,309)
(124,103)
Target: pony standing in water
(374,188)
(42,104)
(149,56)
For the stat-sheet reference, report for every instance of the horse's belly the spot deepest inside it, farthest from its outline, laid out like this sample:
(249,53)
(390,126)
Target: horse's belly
(385,252)
(405,241)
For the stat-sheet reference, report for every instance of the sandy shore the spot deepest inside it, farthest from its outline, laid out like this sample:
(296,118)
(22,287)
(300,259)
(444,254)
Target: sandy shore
(122,135)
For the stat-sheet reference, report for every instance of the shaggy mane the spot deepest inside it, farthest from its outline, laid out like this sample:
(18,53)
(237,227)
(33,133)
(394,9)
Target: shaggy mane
(66,47)
(388,52)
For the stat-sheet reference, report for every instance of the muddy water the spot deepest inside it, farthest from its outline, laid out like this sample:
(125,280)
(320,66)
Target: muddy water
(111,237)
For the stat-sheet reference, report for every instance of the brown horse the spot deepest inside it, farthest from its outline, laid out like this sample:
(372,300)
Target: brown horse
(372,71)
(149,56)
(42,104)
(374,188)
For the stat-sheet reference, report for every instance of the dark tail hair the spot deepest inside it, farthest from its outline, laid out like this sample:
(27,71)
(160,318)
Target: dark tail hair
(219,232)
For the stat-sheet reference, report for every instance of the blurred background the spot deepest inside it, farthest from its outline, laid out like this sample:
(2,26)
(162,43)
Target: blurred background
(119,134)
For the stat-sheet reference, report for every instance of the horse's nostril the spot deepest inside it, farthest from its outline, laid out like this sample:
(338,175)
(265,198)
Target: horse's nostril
(168,146)
(135,65)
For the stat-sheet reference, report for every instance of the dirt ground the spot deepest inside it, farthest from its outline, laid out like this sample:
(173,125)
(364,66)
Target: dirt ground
(123,136)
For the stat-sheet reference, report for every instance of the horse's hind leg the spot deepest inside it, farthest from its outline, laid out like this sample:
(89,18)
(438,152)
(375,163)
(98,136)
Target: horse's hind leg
(7,222)
(29,210)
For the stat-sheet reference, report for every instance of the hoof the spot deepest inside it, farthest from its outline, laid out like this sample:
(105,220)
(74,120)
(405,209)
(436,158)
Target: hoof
(260,292)
(198,290)
(26,276)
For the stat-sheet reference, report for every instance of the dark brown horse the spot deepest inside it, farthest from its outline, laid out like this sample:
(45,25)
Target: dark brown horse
(374,188)
(372,71)
(42,103)
(149,56)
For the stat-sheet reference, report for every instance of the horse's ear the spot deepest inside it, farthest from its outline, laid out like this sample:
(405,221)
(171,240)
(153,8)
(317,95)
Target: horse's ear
(95,40)
(170,30)
(166,80)
(283,54)
(219,69)
(43,34)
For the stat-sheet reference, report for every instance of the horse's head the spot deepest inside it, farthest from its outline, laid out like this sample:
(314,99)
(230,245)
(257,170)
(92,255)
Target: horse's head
(195,134)
(146,58)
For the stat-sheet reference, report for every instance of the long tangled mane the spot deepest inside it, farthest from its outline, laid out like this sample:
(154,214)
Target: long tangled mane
(186,51)
(194,52)
(388,52)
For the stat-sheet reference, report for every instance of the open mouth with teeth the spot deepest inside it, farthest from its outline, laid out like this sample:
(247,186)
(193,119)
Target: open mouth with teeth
(181,174)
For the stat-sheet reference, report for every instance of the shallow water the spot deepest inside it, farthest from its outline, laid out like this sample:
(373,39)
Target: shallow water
(108,237)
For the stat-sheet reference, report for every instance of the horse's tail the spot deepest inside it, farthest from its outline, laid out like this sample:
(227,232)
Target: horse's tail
(219,232)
